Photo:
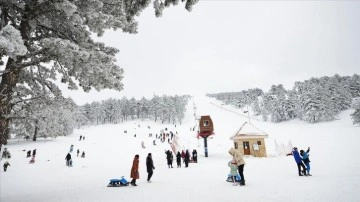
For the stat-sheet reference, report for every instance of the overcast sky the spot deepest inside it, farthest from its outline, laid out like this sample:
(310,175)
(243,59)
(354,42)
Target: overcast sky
(227,46)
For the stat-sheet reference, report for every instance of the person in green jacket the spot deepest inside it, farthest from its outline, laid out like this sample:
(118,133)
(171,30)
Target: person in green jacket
(233,170)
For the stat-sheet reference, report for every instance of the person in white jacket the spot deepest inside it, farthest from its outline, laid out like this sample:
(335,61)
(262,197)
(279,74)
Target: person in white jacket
(240,162)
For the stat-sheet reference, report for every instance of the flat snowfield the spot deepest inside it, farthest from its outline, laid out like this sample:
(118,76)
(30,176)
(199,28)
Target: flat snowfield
(335,162)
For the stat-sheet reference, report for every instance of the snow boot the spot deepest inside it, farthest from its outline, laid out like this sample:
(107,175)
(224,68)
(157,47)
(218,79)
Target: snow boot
(242,182)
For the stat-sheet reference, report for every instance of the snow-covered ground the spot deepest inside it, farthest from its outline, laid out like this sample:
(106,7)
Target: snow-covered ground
(335,164)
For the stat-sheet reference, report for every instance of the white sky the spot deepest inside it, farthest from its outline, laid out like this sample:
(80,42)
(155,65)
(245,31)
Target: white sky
(224,46)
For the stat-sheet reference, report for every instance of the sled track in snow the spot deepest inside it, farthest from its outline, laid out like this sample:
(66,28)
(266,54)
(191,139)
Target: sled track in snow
(237,113)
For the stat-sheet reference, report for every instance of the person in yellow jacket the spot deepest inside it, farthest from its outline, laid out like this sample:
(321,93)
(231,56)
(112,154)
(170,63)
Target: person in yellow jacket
(240,162)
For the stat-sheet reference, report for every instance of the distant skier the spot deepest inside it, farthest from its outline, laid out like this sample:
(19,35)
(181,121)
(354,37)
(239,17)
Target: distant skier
(6,164)
(28,154)
(83,154)
(78,152)
(32,161)
(187,158)
(68,159)
(149,166)
(142,145)
(306,160)
(178,159)
(80,137)
(169,158)
(194,156)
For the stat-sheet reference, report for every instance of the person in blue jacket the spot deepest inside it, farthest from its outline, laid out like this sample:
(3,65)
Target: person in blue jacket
(306,160)
(298,161)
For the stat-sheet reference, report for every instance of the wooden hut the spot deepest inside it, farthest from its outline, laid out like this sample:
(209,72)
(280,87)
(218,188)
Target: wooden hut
(250,140)
(206,124)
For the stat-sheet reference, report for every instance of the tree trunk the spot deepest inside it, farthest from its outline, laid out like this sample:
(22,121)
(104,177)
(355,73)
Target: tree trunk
(36,130)
(8,82)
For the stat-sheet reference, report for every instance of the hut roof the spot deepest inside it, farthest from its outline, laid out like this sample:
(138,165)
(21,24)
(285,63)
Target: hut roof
(248,130)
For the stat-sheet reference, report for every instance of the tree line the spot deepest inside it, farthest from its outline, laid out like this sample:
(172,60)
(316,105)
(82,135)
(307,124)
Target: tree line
(313,100)
(60,116)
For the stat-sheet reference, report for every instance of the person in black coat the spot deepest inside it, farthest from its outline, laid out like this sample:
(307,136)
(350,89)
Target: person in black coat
(68,159)
(178,159)
(194,156)
(169,158)
(149,166)
(187,158)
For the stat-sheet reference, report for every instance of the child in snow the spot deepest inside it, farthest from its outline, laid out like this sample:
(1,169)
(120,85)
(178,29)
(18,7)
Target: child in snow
(6,164)
(305,157)
(233,170)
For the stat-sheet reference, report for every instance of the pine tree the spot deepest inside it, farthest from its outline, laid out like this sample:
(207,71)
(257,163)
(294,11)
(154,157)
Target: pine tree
(45,39)
(355,116)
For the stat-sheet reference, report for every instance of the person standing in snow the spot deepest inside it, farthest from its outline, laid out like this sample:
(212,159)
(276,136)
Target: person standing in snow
(78,152)
(134,174)
(305,157)
(6,164)
(149,167)
(68,159)
(298,161)
(240,162)
(34,153)
(233,170)
(194,156)
(183,155)
(178,159)
(169,158)
(187,158)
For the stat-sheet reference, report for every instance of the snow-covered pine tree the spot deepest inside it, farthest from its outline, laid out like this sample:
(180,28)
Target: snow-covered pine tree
(355,116)
(256,107)
(49,38)
(80,117)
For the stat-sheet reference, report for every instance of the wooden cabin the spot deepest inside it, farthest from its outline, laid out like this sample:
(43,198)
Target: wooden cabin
(206,124)
(250,140)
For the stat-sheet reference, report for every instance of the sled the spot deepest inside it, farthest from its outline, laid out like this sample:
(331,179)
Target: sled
(237,178)
(118,182)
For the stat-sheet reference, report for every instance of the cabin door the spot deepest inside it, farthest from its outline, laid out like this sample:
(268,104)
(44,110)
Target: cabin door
(246,148)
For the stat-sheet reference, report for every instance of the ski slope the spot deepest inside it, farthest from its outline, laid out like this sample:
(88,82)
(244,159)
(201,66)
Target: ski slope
(335,165)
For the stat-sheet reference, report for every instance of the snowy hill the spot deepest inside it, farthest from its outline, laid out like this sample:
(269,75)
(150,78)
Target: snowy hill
(335,165)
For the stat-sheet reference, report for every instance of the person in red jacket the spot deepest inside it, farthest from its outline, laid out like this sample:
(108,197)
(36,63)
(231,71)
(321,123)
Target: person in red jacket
(135,170)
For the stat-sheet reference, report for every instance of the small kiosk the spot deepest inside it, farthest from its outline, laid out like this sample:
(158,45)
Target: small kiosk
(250,140)
(206,128)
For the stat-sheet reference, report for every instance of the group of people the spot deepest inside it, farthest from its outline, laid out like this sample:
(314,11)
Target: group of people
(68,158)
(6,155)
(134,173)
(301,159)
(236,165)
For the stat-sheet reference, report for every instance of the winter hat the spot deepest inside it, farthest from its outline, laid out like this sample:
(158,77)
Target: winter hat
(137,156)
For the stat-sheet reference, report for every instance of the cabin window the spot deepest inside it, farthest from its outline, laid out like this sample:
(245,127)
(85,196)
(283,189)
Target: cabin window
(206,123)
(259,143)
(235,145)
